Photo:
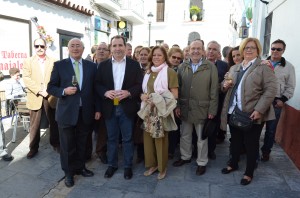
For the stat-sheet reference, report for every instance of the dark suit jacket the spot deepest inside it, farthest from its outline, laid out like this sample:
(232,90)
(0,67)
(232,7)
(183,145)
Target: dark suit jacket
(222,69)
(67,109)
(132,82)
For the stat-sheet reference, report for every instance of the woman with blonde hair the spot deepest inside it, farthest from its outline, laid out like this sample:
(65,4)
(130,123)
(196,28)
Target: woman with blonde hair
(251,88)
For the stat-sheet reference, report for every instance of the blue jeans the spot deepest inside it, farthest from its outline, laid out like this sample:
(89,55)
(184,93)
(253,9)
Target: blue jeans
(119,122)
(270,132)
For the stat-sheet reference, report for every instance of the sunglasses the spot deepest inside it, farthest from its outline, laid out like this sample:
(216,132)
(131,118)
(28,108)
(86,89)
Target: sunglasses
(175,57)
(41,46)
(278,49)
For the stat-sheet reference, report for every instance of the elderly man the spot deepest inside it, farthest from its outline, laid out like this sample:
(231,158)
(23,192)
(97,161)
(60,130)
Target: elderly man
(75,108)
(102,53)
(213,51)
(198,101)
(36,75)
(286,80)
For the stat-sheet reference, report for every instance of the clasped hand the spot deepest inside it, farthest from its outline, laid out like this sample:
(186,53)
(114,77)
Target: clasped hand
(121,94)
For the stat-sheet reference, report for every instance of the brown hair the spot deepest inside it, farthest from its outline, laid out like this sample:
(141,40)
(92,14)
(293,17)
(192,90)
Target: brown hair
(13,71)
(164,53)
(175,50)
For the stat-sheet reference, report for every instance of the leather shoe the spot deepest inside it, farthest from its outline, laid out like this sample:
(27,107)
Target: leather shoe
(265,157)
(31,154)
(110,172)
(85,173)
(181,162)
(245,181)
(103,158)
(228,170)
(69,181)
(7,157)
(127,173)
(200,170)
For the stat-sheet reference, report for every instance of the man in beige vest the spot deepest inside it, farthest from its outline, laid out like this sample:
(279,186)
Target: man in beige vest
(36,75)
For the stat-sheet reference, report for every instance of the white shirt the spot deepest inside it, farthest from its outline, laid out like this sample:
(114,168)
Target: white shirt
(118,72)
(42,66)
(237,100)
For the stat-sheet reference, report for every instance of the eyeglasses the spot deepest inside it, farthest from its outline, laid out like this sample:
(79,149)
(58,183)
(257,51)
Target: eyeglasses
(41,46)
(277,49)
(250,48)
(175,57)
(103,49)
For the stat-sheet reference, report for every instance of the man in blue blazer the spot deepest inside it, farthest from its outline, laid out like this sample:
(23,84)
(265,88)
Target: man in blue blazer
(119,85)
(75,112)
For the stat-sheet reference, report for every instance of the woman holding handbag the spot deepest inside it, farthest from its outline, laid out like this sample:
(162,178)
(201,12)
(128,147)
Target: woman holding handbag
(251,88)
(158,81)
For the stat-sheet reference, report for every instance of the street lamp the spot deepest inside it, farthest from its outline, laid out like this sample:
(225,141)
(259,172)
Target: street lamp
(150,16)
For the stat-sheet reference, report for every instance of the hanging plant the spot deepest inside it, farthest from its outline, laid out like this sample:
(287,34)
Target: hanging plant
(249,14)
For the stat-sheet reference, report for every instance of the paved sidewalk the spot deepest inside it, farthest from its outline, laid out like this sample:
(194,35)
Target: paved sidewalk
(43,177)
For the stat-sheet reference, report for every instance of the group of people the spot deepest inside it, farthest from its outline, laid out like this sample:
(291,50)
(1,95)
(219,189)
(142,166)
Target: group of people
(156,99)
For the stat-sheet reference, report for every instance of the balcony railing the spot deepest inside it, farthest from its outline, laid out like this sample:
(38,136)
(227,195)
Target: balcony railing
(136,6)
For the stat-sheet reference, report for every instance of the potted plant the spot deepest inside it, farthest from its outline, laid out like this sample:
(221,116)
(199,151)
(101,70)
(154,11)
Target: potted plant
(194,11)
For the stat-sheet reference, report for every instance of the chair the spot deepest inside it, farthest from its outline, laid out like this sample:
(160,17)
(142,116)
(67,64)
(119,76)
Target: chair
(20,112)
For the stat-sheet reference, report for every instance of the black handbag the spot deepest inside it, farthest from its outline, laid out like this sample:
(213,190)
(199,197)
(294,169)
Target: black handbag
(209,128)
(240,120)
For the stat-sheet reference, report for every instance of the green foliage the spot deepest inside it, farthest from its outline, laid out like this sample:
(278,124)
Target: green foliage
(195,10)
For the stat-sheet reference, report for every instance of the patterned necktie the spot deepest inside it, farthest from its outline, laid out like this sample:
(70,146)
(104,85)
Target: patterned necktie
(77,71)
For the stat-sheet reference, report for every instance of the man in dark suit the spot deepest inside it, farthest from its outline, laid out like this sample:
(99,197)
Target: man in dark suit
(119,85)
(213,51)
(75,112)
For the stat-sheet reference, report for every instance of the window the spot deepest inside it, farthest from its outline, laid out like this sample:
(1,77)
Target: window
(267,36)
(160,10)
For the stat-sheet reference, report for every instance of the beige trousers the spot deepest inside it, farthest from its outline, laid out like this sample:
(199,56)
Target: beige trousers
(186,131)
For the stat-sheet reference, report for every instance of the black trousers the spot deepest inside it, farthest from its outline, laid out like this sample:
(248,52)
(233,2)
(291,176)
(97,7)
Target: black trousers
(73,145)
(250,139)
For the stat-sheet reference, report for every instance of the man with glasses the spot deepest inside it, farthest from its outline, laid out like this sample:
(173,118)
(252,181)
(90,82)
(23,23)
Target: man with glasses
(36,75)
(198,101)
(286,80)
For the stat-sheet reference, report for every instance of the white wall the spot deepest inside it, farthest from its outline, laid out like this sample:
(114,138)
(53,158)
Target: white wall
(285,27)
(51,17)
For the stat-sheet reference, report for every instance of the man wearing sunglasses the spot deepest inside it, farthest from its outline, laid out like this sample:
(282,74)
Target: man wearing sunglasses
(36,75)
(286,80)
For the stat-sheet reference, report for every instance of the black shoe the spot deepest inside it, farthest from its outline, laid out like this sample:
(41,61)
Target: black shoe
(69,181)
(110,172)
(265,157)
(227,171)
(245,182)
(31,154)
(103,158)
(7,157)
(181,162)
(127,173)
(88,158)
(200,170)
(85,173)
(212,155)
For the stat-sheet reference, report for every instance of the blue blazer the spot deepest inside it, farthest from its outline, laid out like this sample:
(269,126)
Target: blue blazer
(67,108)
(132,82)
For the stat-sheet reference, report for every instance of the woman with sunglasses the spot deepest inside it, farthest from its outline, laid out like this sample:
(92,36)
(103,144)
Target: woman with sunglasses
(175,56)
